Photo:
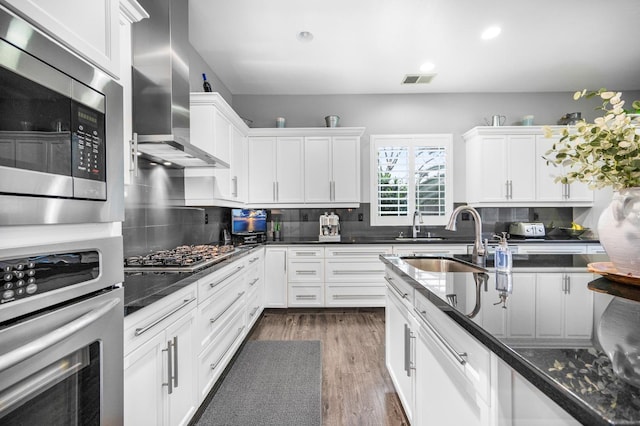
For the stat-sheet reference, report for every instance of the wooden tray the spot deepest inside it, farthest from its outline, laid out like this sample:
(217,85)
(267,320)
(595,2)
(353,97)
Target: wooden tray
(606,269)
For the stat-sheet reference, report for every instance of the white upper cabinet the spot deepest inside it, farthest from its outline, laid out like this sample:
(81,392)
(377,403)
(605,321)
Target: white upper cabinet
(546,187)
(304,166)
(276,170)
(88,28)
(505,168)
(332,169)
(218,130)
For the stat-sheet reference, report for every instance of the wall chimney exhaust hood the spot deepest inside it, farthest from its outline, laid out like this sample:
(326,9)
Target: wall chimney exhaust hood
(160,80)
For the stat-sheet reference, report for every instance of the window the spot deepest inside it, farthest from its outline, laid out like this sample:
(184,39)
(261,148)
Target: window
(411,173)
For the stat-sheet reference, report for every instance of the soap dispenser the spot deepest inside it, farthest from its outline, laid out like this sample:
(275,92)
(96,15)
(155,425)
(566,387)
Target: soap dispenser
(503,258)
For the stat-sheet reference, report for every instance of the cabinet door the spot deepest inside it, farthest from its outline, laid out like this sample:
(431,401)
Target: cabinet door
(490,168)
(521,167)
(345,169)
(546,187)
(222,136)
(521,311)
(145,372)
(289,175)
(317,169)
(443,394)
(578,309)
(89,28)
(275,277)
(238,165)
(183,398)
(550,305)
(398,351)
(262,169)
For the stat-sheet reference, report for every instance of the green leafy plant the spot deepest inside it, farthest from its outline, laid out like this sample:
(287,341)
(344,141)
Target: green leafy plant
(603,153)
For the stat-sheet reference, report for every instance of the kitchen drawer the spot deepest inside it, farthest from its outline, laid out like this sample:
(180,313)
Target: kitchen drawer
(217,281)
(554,248)
(400,288)
(215,311)
(213,360)
(308,271)
(353,295)
(354,270)
(305,252)
(452,338)
(372,251)
(305,296)
(430,249)
(141,326)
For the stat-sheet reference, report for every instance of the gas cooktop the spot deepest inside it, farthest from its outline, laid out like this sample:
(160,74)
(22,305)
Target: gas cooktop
(187,258)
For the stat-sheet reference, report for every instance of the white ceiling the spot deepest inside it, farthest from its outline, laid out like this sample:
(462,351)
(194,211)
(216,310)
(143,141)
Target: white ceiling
(367,46)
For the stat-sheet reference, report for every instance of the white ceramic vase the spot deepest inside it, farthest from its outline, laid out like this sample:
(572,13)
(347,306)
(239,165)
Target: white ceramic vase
(619,231)
(619,335)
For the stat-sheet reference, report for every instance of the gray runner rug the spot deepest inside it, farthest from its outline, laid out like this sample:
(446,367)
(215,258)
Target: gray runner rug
(270,383)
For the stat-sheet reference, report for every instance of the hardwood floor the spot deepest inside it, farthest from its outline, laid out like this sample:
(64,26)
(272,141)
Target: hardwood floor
(356,388)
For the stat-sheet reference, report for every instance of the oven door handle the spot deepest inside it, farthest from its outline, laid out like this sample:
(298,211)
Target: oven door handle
(45,342)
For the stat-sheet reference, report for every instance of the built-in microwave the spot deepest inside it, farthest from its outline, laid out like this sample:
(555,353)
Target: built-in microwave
(60,133)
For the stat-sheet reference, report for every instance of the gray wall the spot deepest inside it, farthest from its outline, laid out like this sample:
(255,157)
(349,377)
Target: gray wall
(197,66)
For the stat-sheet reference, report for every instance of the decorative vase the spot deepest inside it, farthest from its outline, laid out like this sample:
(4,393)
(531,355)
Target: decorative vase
(619,337)
(619,231)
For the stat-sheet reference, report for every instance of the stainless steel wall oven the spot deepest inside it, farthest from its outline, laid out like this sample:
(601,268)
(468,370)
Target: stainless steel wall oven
(61,321)
(61,149)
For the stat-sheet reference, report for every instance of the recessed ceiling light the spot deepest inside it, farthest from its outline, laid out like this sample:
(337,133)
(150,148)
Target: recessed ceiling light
(304,36)
(491,32)
(427,66)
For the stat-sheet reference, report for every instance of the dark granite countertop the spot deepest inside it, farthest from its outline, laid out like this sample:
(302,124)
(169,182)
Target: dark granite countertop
(144,288)
(433,240)
(575,373)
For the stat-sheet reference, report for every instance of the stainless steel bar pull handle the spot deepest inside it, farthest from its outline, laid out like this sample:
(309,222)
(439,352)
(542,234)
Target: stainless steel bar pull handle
(459,356)
(223,279)
(400,293)
(235,186)
(169,383)
(175,361)
(146,328)
(238,333)
(217,317)
(407,349)
(133,146)
(34,347)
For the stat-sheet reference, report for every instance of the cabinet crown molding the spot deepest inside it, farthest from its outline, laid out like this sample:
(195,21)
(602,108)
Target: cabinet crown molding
(216,99)
(307,131)
(511,130)
(132,12)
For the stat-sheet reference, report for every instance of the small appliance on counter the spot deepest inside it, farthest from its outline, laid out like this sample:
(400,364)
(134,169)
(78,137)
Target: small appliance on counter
(527,229)
(329,228)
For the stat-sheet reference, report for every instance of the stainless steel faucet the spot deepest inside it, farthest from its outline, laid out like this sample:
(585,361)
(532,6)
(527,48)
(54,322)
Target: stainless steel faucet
(416,228)
(480,251)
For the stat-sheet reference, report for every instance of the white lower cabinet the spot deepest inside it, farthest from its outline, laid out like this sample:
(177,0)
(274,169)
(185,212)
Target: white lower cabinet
(177,348)
(305,276)
(275,277)
(354,276)
(564,306)
(159,373)
(401,329)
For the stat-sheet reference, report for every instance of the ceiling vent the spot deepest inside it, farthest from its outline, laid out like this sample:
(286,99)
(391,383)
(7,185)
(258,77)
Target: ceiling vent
(418,78)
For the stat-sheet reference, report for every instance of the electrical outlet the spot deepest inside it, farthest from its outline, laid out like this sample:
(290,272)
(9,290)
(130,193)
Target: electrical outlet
(360,217)
(465,216)
(206,218)
(305,218)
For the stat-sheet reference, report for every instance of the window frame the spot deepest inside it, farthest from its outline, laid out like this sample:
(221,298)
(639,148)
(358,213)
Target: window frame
(412,142)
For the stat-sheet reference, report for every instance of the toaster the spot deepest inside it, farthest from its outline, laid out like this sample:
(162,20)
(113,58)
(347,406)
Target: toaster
(526,229)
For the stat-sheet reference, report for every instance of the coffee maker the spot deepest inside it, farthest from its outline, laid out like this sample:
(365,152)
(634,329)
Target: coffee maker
(329,228)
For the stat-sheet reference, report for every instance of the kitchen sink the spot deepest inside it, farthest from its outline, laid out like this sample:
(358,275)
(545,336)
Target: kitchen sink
(441,264)
(420,239)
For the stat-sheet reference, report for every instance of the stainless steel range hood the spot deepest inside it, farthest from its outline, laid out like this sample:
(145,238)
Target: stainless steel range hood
(160,76)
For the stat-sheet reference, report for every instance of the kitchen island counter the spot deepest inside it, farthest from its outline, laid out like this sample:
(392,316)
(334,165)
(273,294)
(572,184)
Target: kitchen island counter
(572,371)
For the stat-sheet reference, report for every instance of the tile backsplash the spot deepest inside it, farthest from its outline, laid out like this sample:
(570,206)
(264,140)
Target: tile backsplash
(157,219)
